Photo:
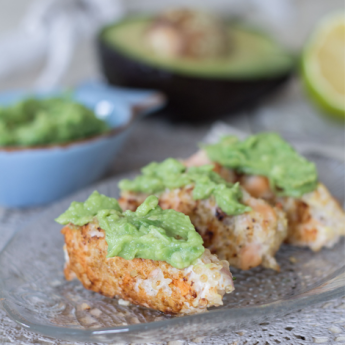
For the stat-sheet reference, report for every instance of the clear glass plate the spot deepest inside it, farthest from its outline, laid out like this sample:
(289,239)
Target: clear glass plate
(37,296)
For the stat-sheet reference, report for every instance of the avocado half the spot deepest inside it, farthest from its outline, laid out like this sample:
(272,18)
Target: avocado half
(196,90)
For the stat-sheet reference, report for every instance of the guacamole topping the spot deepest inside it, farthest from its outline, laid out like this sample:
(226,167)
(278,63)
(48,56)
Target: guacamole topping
(81,213)
(33,122)
(147,233)
(269,155)
(172,174)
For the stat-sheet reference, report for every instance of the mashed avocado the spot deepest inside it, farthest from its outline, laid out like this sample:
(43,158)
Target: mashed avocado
(81,213)
(147,233)
(171,174)
(34,122)
(269,155)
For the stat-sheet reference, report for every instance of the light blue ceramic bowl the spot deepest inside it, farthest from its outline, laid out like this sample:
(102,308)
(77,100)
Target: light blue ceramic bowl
(37,176)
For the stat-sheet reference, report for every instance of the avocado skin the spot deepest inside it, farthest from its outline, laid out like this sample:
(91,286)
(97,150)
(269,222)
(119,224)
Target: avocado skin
(189,98)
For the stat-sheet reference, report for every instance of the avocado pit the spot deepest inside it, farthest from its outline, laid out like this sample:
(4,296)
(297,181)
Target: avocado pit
(188,33)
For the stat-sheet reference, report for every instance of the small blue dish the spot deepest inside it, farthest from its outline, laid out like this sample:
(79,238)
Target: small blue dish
(38,175)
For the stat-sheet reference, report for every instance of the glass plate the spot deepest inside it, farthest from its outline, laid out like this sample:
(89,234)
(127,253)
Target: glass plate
(36,295)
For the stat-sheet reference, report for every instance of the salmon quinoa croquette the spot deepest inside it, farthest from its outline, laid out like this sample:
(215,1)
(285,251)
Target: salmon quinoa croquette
(246,240)
(315,220)
(149,283)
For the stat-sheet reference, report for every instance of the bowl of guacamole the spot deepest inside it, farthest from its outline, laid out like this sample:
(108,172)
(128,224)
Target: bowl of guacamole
(48,121)
(53,143)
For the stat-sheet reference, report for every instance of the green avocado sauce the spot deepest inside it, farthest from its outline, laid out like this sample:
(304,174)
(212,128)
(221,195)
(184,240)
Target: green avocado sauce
(147,233)
(172,174)
(269,155)
(33,122)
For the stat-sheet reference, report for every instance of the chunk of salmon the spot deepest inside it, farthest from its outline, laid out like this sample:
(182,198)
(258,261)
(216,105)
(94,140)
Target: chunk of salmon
(315,220)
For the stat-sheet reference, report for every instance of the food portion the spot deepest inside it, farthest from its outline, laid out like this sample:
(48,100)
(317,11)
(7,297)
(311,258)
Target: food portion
(268,168)
(150,257)
(147,233)
(37,122)
(241,229)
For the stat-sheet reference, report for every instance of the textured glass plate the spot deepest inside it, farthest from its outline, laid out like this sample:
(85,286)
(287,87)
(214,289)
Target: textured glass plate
(37,296)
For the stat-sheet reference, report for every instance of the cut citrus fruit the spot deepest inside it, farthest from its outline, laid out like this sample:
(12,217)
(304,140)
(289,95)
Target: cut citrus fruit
(323,65)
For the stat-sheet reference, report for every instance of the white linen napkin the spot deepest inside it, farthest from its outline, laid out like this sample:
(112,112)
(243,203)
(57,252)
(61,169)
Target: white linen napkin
(50,32)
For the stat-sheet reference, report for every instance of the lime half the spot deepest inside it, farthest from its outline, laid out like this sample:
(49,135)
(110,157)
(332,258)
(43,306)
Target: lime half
(323,65)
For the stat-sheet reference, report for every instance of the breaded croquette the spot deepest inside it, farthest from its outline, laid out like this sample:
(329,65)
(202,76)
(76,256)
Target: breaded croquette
(315,218)
(149,283)
(248,237)
(150,257)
